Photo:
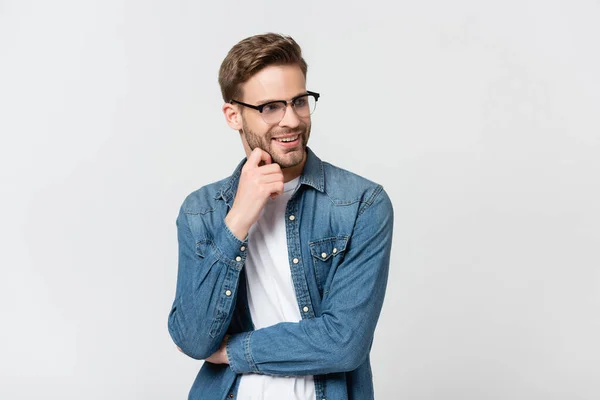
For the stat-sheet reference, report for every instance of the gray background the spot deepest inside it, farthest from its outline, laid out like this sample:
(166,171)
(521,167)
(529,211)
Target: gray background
(479,118)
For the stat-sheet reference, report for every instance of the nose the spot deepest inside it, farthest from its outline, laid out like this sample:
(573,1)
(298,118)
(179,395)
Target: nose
(290,118)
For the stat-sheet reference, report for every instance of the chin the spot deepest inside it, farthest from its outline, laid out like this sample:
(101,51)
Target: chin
(291,159)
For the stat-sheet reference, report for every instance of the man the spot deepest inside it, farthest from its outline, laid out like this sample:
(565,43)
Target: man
(283,265)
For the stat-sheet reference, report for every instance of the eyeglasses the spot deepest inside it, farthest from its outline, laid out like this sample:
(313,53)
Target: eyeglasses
(274,111)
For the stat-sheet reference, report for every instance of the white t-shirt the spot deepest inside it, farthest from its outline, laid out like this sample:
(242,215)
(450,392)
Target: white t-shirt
(271,297)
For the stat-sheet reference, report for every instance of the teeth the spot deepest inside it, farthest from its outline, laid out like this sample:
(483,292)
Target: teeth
(288,139)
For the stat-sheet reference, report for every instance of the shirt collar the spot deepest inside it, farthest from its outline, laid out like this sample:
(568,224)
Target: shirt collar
(312,175)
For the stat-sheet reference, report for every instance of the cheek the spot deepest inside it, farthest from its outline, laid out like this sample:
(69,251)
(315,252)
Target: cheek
(258,130)
(306,121)
(258,124)
(256,127)
(307,125)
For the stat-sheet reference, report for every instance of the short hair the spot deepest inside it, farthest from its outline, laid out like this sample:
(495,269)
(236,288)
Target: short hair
(251,55)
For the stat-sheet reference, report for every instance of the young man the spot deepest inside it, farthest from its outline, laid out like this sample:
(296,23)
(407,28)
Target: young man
(283,265)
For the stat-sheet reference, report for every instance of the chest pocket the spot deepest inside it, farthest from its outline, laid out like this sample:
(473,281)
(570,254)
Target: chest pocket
(327,254)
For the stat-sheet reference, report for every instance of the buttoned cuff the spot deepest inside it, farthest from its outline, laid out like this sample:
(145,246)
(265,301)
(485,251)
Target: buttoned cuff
(239,354)
(231,250)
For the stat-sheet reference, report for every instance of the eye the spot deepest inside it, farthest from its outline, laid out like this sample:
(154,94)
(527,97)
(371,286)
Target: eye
(271,108)
(301,102)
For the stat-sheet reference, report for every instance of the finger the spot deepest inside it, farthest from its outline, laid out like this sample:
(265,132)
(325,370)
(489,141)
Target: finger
(275,188)
(271,178)
(179,348)
(257,156)
(271,169)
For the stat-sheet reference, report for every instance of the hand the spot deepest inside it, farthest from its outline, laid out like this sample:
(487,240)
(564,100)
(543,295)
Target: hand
(257,184)
(220,356)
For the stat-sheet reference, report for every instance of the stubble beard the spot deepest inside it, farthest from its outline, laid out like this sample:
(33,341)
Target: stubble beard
(285,158)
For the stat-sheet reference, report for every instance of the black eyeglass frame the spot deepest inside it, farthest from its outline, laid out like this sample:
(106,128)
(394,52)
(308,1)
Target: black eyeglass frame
(260,107)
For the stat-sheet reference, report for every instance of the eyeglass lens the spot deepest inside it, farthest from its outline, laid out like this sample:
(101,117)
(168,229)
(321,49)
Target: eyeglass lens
(303,105)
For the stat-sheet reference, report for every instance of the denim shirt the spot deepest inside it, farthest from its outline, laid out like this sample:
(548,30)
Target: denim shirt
(339,235)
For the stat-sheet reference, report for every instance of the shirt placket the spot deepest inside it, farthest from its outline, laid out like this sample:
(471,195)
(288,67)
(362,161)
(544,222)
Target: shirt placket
(292,228)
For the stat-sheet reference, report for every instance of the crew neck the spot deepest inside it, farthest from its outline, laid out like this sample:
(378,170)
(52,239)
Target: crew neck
(291,185)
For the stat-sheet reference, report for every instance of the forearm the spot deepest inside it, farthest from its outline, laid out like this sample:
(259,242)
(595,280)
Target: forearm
(291,349)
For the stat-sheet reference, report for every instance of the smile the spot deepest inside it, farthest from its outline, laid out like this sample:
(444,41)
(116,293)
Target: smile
(287,140)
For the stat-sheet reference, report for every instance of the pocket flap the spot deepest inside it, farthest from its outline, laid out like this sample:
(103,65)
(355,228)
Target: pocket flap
(328,247)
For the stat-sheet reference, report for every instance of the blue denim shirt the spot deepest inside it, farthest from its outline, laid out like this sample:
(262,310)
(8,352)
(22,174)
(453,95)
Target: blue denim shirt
(339,235)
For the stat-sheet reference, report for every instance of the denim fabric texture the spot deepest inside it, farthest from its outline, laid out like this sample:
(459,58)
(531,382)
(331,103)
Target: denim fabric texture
(339,235)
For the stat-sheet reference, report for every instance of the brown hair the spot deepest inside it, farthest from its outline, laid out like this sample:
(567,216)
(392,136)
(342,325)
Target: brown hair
(251,55)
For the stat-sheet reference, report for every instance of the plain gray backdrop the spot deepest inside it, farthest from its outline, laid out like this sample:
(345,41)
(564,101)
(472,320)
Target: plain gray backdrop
(480,118)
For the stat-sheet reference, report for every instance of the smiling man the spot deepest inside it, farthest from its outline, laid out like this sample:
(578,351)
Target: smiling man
(283,265)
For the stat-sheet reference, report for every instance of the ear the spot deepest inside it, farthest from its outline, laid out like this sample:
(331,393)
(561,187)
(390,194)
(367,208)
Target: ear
(232,116)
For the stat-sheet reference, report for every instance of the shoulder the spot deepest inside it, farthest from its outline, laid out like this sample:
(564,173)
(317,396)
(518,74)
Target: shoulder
(204,199)
(345,187)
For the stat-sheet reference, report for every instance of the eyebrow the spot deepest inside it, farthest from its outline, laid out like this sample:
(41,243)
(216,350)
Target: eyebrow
(271,100)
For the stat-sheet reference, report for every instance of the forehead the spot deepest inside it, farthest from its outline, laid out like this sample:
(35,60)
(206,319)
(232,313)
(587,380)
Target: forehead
(275,82)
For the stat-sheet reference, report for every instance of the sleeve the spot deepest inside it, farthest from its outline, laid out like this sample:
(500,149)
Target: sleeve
(207,282)
(340,338)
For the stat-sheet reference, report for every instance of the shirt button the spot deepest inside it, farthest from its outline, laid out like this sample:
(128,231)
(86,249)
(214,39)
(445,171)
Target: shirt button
(243,248)
(305,309)
(238,259)
(228,293)
(334,250)
(323,255)
(295,261)
(292,218)
(230,395)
